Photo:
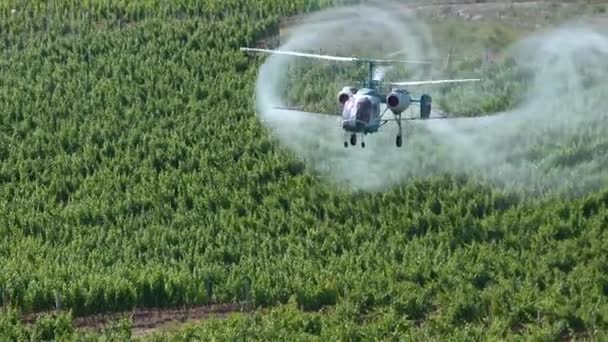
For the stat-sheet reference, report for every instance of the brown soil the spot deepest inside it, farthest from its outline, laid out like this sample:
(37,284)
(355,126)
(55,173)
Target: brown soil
(147,321)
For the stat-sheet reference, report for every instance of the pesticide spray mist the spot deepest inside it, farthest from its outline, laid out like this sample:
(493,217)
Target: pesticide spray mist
(554,141)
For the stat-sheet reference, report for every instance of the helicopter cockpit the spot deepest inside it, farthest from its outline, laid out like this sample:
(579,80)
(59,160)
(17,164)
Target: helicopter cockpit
(357,113)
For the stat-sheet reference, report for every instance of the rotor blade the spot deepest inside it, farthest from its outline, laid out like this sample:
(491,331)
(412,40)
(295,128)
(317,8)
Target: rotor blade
(411,83)
(391,61)
(396,53)
(333,58)
(438,118)
(288,108)
(302,54)
(300,110)
(443,118)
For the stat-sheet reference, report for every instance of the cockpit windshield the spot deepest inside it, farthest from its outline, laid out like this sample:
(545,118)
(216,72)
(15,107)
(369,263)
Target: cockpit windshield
(357,109)
(364,109)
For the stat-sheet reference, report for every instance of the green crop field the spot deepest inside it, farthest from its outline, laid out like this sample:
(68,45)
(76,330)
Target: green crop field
(135,173)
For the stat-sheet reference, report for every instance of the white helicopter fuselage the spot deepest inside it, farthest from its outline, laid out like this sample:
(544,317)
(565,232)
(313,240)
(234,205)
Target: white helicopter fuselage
(361,112)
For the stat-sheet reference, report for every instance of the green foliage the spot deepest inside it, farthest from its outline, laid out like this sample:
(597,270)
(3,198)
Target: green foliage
(504,86)
(120,330)
(135,174)
(10,326)
(49,328)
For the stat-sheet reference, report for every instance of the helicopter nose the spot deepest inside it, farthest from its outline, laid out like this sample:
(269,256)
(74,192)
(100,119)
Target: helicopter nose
(349,113)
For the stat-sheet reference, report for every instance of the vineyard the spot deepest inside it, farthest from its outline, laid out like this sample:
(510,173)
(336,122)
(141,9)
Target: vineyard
(135,173)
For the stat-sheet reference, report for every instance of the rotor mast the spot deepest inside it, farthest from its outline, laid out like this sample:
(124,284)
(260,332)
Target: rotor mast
(370,75)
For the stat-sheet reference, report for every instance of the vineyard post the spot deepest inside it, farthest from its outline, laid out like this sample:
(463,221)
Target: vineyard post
(448,59)
(209,289)
(58,300)
(8,295)
(246,294)
(485,56)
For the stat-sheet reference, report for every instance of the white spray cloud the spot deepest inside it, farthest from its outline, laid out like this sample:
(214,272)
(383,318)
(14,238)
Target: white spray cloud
(522,147)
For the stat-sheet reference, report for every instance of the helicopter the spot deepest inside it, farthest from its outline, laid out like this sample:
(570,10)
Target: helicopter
(359,108)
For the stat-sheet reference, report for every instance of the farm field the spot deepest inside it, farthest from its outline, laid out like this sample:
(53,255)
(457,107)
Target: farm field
(136,178)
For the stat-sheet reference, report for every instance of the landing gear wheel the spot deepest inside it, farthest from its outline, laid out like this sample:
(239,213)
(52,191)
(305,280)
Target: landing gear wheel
(399,141)
(345,144)
(363,144)
(425,106)
(353,139)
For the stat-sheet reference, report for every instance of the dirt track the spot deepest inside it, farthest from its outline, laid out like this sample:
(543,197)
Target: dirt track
(147,321)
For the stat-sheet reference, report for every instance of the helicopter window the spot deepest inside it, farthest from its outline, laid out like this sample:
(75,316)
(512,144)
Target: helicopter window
(364,108)
(365,105)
